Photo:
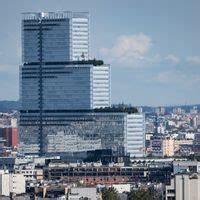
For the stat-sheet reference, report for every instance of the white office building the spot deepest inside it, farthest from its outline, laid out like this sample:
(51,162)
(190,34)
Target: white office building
(101,86)
(136,134)
(183,187)
(12,183)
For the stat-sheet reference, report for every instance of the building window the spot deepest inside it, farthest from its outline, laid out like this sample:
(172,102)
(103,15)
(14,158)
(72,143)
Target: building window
(171,191)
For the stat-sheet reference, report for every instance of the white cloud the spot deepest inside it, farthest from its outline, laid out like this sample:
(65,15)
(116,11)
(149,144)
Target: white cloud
(195,60)
(128,49)
(177,78)
(170,76)
(172,58)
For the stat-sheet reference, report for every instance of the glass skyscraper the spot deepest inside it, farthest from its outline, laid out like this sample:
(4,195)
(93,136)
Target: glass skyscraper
(56,74)
(71,85)
(74,132)
(55,37)
(63,92)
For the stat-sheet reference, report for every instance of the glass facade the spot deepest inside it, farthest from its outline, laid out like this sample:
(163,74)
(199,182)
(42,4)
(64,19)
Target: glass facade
(74,132)
(61,36)
(67,131)
(56,74)
(65,86)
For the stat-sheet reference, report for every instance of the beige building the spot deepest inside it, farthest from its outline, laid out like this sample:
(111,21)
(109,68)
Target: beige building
(163,147)
(168,147)
(183,187)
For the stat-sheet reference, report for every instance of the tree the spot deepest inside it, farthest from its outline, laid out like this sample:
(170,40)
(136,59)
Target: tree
(140,194)
(109,194)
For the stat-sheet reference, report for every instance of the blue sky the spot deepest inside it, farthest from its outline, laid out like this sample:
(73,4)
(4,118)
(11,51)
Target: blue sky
(153,46)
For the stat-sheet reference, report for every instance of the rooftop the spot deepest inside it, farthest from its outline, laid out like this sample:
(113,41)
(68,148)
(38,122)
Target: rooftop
(53,15)
(128,110)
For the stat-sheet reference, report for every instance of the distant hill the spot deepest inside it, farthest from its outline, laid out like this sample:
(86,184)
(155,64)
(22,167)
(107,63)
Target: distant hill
(187,108)
(7,106)
(169,109)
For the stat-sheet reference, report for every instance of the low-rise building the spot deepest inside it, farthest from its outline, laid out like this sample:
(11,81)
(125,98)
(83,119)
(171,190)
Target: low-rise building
(83,193)
(120,188)
(162,146)
(12,184)
(188,149)
(30,173)
(177,144)
(186,166)
(183,187)
(7,163)
(93,175)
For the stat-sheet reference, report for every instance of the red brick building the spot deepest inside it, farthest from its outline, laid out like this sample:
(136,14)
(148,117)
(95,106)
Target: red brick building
(10,135)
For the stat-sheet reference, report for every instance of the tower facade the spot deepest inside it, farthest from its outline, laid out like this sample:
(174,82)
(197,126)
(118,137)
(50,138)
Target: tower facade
(56,75)
(55,37)
(65,96)
(136,134)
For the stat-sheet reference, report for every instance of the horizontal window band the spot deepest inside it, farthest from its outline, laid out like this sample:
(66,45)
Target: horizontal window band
(37,25)
(33,77)
(27,21)
(57,120)
(84,62)
(34,29)
(38,68)
(44,125)
(24,73)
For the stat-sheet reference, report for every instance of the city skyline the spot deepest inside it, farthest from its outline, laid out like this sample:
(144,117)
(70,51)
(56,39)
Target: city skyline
(99,99)
(159,64)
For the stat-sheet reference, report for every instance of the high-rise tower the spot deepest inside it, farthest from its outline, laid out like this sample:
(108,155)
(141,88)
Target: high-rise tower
(55,37)
(56,75)
(61,90)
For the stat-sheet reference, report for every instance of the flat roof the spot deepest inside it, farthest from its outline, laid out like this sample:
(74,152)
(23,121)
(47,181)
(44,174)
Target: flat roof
(53,15)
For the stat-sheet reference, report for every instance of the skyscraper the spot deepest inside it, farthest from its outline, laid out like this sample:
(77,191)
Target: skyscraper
(63,93)
(56,75)
(71,85)
(55,37)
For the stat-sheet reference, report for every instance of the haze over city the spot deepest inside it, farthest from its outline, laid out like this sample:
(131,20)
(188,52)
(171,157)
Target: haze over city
(99,100)
(152,46)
